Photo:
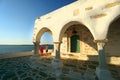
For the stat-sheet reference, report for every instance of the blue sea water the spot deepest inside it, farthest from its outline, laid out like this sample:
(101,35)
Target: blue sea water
(15,48)
(18,48)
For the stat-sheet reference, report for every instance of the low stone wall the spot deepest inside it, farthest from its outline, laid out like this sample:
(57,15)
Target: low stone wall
(115,60)
(18,54)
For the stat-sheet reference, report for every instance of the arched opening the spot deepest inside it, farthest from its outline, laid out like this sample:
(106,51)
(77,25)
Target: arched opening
(113,44)
(46,40)
(76,38)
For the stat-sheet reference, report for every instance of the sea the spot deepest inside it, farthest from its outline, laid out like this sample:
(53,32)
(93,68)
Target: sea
(18,48)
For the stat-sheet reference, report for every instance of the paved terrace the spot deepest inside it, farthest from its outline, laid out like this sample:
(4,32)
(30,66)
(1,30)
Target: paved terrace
(27,68)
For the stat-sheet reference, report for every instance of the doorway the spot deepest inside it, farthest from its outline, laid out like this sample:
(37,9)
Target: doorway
(75,43)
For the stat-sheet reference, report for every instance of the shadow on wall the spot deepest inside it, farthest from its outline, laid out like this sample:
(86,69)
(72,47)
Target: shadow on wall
(85,36)
(113,45)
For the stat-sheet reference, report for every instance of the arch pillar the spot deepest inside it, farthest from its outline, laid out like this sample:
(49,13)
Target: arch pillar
(56,62)
(102,71)
(36,48)
(57,50)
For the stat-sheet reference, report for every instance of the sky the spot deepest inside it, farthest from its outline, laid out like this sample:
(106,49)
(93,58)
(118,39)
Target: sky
(17,19)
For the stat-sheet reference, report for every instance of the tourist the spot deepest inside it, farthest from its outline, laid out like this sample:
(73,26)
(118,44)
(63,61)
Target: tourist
(41,49)
(46,49)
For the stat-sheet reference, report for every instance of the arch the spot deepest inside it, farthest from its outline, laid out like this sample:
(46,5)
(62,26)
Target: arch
(114,19)
(41,31)
(113,35)
(67,25)
(85,38)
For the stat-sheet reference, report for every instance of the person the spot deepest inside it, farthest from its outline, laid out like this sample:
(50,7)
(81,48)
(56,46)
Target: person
(46,49)
(41,49)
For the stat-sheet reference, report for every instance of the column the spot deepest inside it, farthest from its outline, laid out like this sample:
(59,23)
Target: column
(102,71)
(56,62)
(34,58)
(57,50)
(36,48)
(101,57)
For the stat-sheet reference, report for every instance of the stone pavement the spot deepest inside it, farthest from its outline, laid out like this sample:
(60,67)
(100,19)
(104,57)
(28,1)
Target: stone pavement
(20,69)
(27,68)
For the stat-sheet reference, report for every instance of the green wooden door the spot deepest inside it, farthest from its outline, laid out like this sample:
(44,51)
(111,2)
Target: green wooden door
(75,43)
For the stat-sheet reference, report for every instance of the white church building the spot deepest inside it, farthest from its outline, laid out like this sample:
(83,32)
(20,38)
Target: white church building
(84,27)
